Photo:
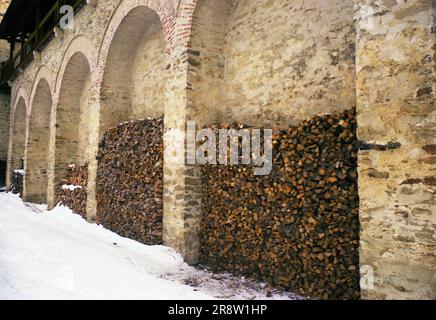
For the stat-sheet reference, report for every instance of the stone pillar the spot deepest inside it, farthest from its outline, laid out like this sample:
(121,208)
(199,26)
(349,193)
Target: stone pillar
(396,116)
(182,194)
(4,135)
(94,130)
(51,201)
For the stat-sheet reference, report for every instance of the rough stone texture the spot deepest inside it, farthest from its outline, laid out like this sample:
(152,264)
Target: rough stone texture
(267,63)
(271,62)
(4,125)
(4,98)
(4,45)
(72,122)
(395,103)
(17,140)
(133,84)
(281,61)
(35,180)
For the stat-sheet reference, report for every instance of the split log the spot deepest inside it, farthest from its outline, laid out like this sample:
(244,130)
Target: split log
(297,228)
(130,180)
(72,190)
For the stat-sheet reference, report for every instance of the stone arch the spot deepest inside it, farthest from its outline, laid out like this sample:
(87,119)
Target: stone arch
(271,64)
(164,9)
(207,59)
(37,155)
(133,62)
(19,98)
(245,67)
(21,93)
(80,44)
(17,137)
(132,66)
(72,112)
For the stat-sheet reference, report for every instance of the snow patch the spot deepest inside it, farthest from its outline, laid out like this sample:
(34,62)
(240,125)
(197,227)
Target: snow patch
(58,255)
(70,187)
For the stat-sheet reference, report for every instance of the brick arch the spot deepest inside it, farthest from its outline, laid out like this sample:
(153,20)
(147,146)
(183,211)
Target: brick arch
(38,138)
(186,11)
(72,110)
(17,134)
(164,9)
(20,93)
(72,80)
(79,44)
(43,73)
(134,46)
(207,41)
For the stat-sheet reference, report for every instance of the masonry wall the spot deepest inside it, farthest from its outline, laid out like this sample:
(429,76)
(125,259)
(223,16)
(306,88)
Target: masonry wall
(134,77)
(4,125)
(36,164)
(4,104)
(271,62)
(4,45)
(396,108)
(71,116)
(17,140)
(260,62)
(149,74)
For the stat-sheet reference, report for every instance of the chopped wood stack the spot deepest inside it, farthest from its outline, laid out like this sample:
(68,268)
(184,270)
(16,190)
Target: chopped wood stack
(130,180)
(297,228)
(17,182)
(72,191)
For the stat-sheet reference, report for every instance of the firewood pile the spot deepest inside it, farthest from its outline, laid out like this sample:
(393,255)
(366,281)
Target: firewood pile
(17,182)
(72,191)
(130,180)
(297,228)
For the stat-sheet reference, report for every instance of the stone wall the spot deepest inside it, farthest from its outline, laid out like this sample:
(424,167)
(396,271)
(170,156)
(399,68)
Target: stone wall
(4,125)
(4,45)
(37,145)
(271,62)
(17,139)
(396,108)
(133,85)
(148,75)
(4,98)
(71,120)
(260,62)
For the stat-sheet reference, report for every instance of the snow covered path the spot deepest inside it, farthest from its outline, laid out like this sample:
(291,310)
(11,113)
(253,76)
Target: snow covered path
(58,255)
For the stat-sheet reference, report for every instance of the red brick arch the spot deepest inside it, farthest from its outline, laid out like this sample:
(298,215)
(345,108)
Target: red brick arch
(164,9)
(79,44)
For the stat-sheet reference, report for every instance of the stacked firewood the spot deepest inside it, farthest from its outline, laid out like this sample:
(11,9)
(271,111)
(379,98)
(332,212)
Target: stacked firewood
(130,180)
(17,182)
(72,191)
(297,228)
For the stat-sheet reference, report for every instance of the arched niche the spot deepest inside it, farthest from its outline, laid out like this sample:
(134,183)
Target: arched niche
(38,144)
(134,75)
(18,136)
(72,116)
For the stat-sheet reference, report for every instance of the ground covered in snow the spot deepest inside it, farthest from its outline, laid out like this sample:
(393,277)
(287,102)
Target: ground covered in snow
(58,255)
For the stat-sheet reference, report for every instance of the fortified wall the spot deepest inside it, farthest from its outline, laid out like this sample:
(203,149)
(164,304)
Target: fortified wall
(4,105)
(271,64)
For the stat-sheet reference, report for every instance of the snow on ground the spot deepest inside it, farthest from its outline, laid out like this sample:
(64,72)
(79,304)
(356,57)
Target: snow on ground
(58,255)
